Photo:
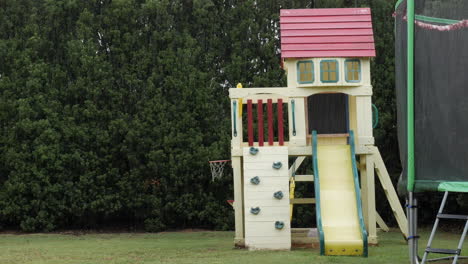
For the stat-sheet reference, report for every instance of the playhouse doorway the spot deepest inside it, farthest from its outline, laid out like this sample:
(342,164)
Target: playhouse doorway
(328,113)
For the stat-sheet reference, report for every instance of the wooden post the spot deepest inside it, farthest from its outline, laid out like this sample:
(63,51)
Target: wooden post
(381,223)
(236,121)
(297,122)
(368,197)
(250,122)
(238,201)
(295,166)
(390,192)
(364,120)
(280,122)
(270,121)
(260,122)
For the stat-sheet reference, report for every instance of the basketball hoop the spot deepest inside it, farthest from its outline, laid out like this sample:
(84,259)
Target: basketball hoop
(217,168)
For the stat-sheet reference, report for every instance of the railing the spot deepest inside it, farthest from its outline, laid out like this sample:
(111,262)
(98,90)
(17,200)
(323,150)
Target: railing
(270,121)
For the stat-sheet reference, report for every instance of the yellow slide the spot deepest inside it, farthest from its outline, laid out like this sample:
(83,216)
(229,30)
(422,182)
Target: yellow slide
(339,213)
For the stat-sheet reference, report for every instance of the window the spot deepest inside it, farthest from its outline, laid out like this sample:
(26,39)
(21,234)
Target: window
(305,72)
(353,70)
(329,71)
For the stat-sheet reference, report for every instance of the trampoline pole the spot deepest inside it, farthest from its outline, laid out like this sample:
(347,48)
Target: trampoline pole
(415,229)
(412,229)
(412,204)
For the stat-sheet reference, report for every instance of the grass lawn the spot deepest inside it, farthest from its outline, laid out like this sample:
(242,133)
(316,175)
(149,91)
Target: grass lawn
(182,247)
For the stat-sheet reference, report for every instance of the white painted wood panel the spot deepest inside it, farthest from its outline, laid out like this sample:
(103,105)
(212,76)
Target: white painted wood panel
(267,213)
(267,195)
(236,139)
(298,139)
(366,140)
(268,240)
(291,65)
(235,93)
(267,166)
(365,71)
(264,152)
(364,117)
(262,225)
(238,196)
(267,229)
(263,157)
(264,173)
(269,246)
(267,202)
(267,184)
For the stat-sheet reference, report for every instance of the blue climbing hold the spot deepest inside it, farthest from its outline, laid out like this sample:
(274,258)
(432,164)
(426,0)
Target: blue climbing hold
(255,210)
(279,224)
(278,195)
(277,165)
(255,180)
(253,151)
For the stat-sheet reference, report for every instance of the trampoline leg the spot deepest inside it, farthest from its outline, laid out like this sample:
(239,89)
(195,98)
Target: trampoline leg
(413,228)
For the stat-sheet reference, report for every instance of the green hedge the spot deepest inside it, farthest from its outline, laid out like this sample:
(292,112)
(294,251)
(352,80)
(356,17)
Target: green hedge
(110,110)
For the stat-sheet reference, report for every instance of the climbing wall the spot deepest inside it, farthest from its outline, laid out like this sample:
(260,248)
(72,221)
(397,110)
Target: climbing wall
(266,198)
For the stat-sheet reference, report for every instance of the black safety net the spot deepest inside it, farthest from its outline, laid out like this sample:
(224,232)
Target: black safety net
(440,93)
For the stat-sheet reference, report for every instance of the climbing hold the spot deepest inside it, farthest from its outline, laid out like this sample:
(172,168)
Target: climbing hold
(253,151)
(277,165)
(255,210)
(278,195)
(255,180)
(279,224)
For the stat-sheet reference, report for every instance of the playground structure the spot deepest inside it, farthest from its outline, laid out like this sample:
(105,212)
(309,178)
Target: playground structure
(328,104)
(431,88)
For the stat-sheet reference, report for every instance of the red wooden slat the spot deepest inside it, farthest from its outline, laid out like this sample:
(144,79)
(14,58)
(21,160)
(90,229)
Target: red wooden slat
(322,19)
(280,122)
(328,53)
(270,121)
(326,32)
(260,122)
(325,12)
(250,122)
(327,39)
(366,24)
(328,46)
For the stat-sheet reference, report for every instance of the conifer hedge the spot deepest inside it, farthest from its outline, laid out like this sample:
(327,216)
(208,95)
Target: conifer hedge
(110,110)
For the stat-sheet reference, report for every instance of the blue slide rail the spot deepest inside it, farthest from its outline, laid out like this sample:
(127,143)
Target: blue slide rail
(318,213)
(357,188)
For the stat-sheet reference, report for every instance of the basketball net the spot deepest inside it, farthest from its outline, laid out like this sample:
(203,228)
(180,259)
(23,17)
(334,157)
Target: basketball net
(217,168)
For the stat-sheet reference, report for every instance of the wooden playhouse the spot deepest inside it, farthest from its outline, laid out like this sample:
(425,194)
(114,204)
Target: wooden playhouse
(324,113)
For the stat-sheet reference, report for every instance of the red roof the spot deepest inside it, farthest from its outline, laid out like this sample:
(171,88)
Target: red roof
(327,32)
